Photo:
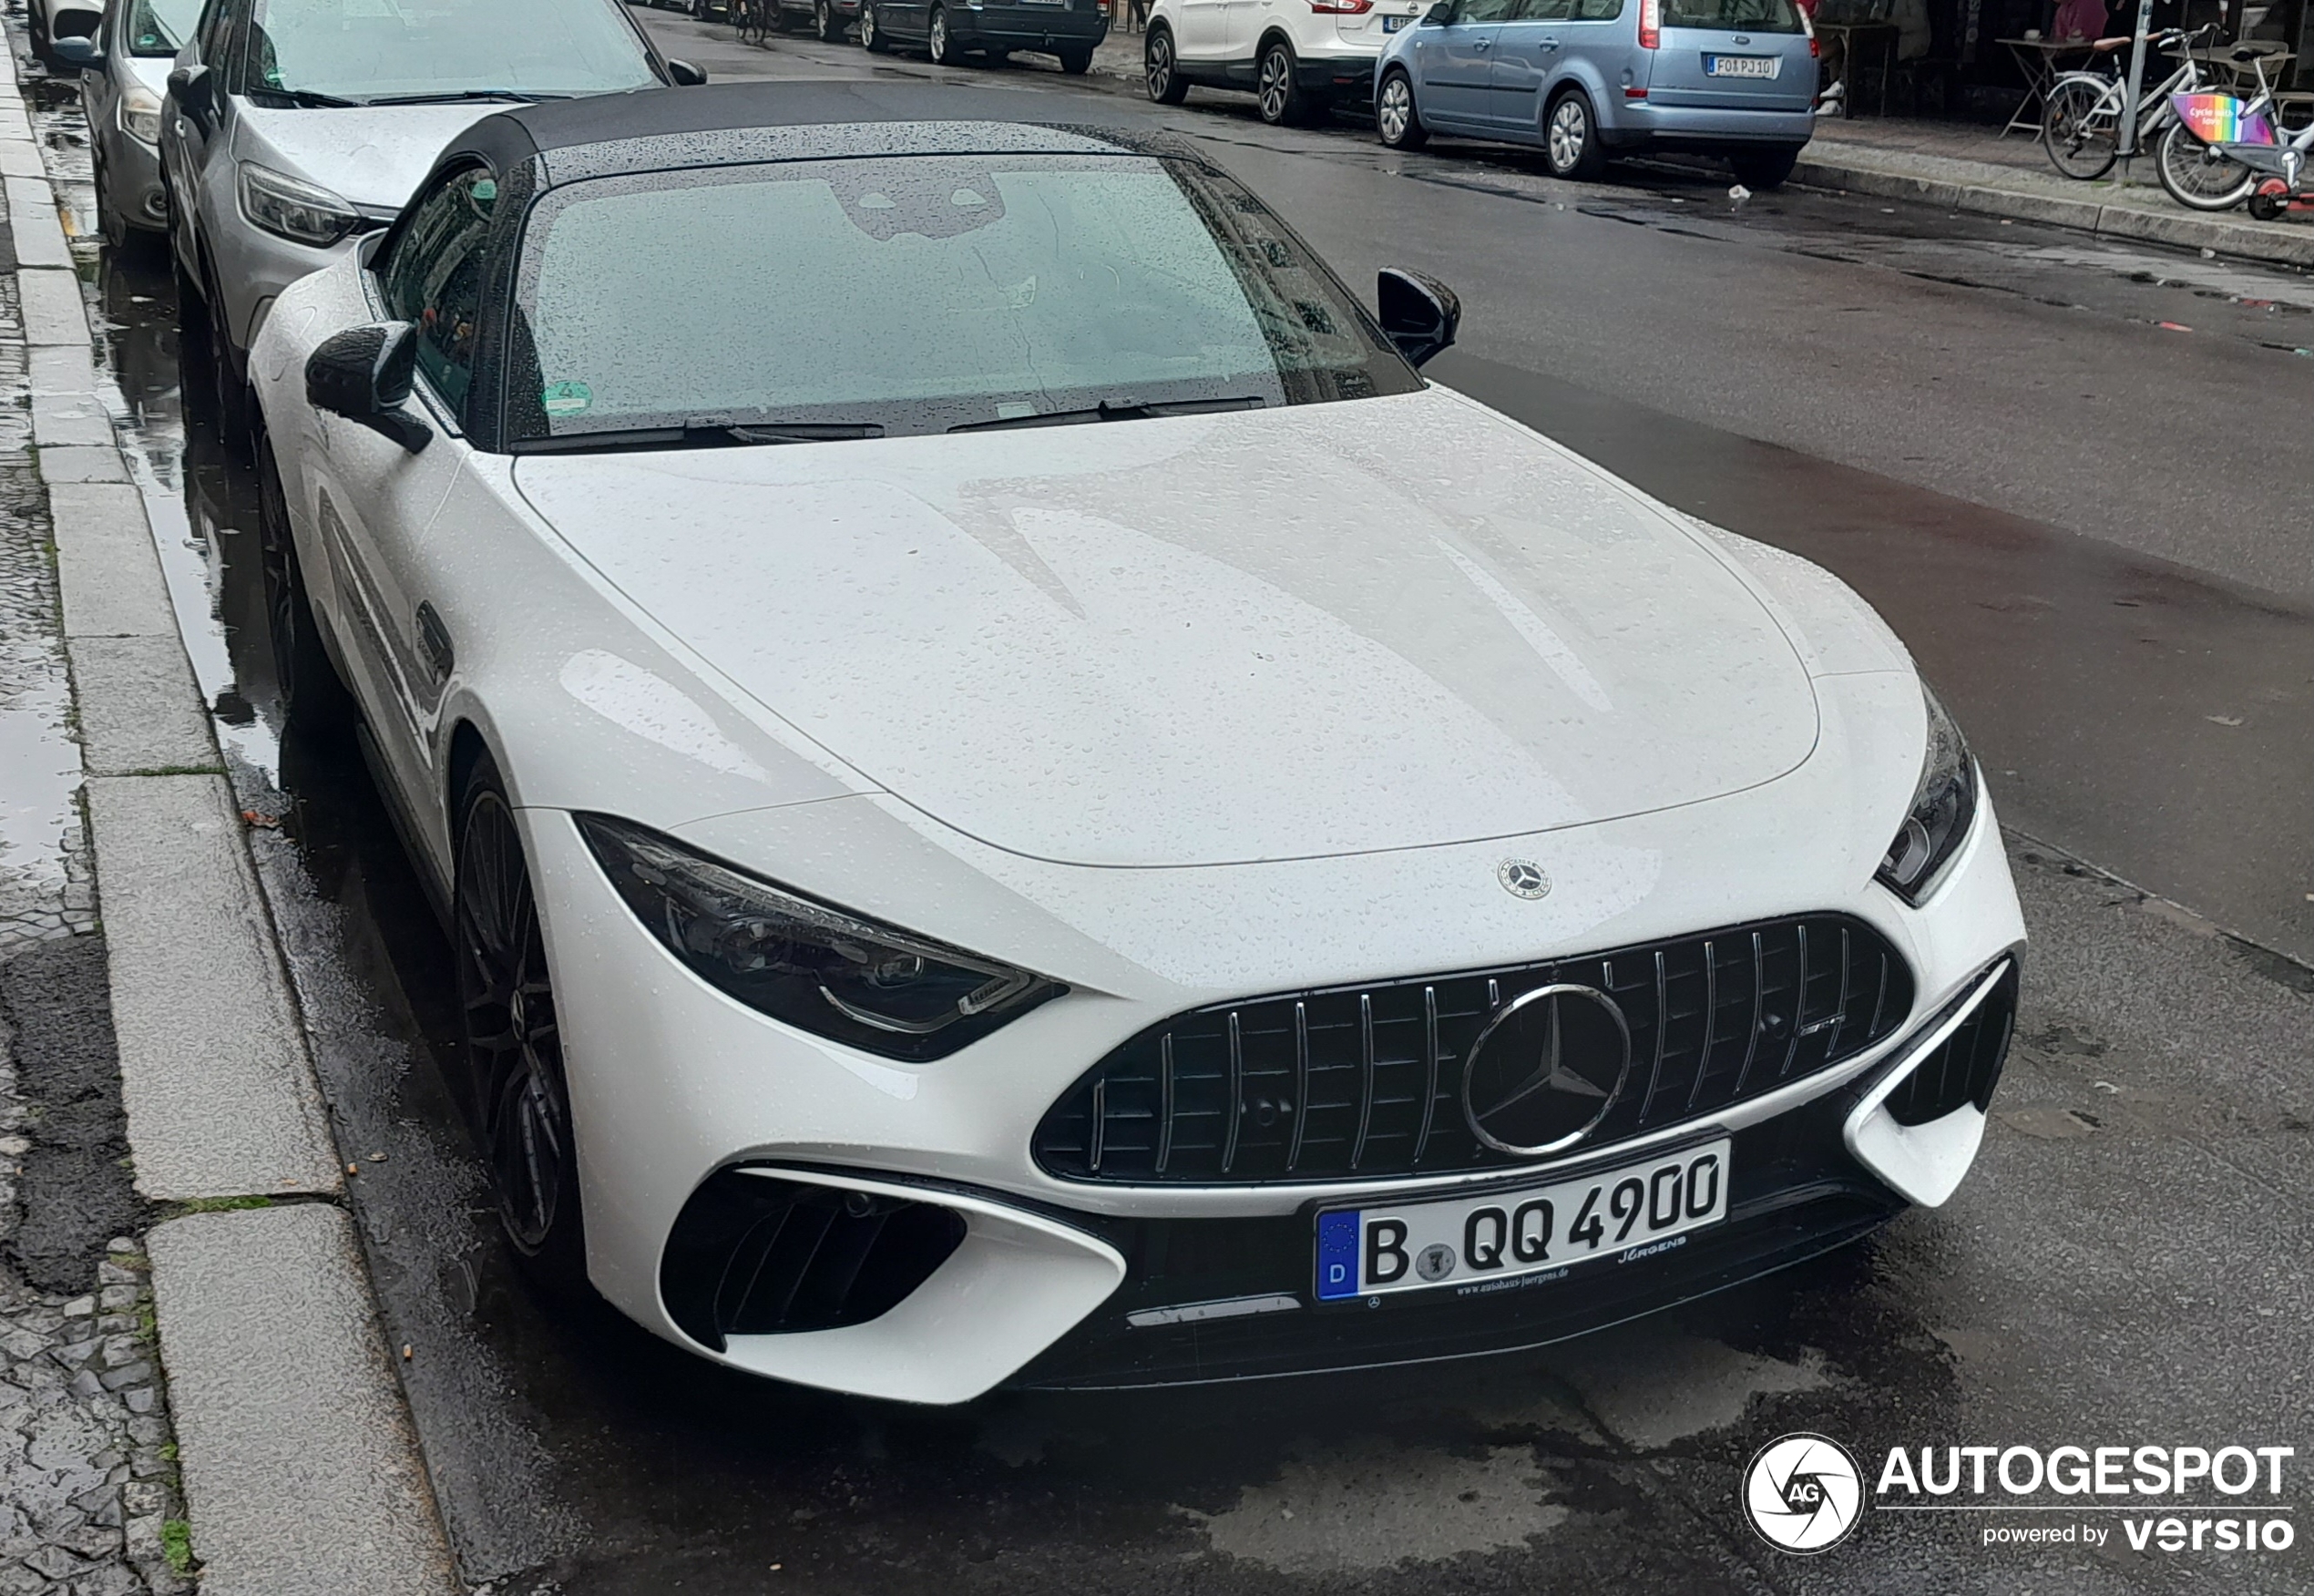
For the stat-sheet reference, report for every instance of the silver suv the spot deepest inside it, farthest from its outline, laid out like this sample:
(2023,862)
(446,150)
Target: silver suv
(1586,80)
(292,127)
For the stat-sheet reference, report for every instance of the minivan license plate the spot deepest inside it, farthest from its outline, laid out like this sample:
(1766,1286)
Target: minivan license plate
(1474,1241)
(1740,65)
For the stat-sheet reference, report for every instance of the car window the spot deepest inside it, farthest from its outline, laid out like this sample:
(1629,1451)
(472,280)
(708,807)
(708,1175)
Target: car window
(913,294)
(1542,11)
(1487,11)
(158,27)
(1595,10)
(433,279)
(1723,15)
(209,33)
(370,49)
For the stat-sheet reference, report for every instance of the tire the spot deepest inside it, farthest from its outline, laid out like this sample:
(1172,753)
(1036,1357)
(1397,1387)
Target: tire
(193,380)
(2199,178)
(113,226)
(1277,89)
(1161,73)
(514,1045)
(315,701)
(938,43)
(1075,63)
(236,406)
(1396,121)
(1570,146)
(826,27)
(2079,130)
(1762,169)
(872,37)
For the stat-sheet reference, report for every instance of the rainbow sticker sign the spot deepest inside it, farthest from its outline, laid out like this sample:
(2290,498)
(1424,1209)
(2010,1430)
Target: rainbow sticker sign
(2217,119)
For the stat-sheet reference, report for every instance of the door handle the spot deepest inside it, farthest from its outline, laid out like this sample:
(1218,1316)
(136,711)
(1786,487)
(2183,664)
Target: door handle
(1481,43)
(1548,44)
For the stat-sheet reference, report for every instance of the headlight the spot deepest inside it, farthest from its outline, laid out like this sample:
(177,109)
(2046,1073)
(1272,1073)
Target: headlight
(1943,806)
(140,114)
(874,986)
(293,210)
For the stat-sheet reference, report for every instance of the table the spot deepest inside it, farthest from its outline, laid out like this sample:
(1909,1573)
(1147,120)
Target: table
(1852,36)
(2038,58)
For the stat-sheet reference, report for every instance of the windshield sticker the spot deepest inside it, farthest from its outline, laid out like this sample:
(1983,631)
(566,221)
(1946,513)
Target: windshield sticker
(567,398)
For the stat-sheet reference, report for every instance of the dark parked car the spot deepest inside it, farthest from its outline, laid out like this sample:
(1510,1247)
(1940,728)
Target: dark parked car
(952,29)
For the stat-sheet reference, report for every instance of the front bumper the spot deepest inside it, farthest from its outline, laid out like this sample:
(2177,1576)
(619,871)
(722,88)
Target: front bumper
(674,1087)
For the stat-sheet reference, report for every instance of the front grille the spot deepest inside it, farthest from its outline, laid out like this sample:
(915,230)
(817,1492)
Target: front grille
(755,1255)
(1366,1081)
(1966,1066)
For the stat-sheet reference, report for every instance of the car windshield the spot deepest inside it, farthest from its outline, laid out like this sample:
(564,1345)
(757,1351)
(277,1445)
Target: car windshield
(1733,15)
(160,27)
(924,293)
(366,50)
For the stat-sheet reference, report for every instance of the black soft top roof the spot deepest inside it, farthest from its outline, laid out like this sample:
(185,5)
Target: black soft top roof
(715,124)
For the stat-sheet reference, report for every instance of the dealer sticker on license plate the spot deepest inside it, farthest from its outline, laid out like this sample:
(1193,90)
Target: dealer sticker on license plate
(1476,1242)
(1740,65)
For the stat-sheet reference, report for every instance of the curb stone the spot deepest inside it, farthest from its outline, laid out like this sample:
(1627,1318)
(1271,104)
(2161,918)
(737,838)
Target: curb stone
(301,1469)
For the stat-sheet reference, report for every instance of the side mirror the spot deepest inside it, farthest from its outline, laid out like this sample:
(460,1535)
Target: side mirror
(1420,313)
(193,91)
(77,51)
(1438,16)
(364,374)
(683,75)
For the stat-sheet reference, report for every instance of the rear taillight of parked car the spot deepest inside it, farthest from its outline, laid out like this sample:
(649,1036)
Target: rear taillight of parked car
(1650,25)
(1341,7)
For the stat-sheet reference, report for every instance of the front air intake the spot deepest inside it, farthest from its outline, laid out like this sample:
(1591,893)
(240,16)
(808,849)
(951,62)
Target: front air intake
(1965,1067)
(754,1254)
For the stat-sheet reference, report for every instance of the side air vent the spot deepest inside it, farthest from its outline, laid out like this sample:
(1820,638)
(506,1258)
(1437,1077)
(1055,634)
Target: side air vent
(1966,1066)
(754,1254)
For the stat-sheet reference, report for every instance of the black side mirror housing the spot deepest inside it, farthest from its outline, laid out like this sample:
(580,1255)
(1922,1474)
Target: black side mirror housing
(1420,313)
(365,374)
(191,88)
(77,51)
(1438,16)
(683,75)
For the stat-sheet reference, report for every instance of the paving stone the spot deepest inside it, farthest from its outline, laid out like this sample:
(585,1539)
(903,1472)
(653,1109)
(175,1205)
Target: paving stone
(132,1375)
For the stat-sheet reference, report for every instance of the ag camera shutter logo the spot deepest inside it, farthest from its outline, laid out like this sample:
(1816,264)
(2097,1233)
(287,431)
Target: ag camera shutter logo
(1803,1493)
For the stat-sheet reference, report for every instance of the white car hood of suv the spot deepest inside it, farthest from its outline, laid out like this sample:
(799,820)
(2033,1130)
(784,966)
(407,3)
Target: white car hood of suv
(375,156)
(1313,631)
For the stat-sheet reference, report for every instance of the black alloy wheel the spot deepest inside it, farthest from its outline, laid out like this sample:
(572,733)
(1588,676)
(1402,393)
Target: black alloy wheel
(1167,86)
(1279,89)
(872,38)
(514,1040)
(1395,118)
(314,699)
(938,43)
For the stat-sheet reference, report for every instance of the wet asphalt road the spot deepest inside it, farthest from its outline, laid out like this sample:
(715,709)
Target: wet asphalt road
(2091,580)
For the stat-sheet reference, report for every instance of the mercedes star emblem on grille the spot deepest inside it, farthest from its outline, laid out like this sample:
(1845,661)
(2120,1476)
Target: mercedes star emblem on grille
(1522,878)
(1546,1069)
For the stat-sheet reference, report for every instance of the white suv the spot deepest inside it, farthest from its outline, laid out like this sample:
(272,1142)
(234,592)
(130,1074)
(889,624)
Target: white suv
(1298,55)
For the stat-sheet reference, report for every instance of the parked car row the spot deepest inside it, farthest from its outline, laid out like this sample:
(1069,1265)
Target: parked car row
(1582,80)
(992,829)
(951,32)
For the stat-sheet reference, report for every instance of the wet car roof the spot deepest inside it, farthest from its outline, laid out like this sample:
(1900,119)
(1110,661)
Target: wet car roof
(725,124)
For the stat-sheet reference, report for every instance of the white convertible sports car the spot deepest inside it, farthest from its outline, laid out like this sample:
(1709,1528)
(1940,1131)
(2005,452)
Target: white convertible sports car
(1020,800)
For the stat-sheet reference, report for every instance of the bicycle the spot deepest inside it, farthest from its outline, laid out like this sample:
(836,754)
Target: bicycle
(2222,149)
(2081,114)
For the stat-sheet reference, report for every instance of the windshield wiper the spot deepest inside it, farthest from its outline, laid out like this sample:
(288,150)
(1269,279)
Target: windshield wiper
(449,97)
(306,98)
(701,437)
(1114,409)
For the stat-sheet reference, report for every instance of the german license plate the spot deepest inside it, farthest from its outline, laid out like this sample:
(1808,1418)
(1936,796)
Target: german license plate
(1392,23)
(1740,65)
(1475,1242)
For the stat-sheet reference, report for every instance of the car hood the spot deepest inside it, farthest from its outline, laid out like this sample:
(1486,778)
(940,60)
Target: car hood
(1313,631)
(374,155)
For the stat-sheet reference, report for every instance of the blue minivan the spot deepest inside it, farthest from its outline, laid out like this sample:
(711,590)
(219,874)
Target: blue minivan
(1587,79)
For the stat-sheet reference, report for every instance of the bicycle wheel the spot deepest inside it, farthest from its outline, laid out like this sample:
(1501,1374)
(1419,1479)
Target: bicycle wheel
(2080,127)
(2198,177)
